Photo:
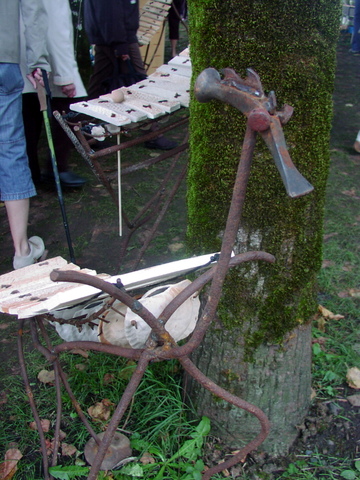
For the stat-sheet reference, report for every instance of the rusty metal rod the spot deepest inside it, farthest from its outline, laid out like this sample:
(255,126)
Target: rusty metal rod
(126,168)
(30,395)
(119,412)
(192,370)
(231,229)
(55,452)
(53,358)
(138,140)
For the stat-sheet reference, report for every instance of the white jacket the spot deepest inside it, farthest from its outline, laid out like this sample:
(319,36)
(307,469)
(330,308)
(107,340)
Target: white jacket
(60,45)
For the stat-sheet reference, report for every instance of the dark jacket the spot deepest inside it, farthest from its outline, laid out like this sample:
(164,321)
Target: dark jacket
(112,22)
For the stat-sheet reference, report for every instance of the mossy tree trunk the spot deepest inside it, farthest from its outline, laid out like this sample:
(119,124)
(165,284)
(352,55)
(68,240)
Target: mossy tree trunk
(260,348)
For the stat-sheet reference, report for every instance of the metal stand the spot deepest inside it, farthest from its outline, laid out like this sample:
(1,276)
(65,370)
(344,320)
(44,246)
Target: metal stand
(160,345)
(156,208)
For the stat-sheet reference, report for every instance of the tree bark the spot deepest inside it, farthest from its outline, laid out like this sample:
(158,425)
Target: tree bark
(266,310)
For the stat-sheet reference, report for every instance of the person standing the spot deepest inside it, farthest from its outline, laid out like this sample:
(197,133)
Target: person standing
(355,39)
(176,13)
(16,185)
(112,26)
(65,85)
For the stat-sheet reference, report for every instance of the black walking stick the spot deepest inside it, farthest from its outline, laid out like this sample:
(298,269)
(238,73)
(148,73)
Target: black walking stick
(45,107)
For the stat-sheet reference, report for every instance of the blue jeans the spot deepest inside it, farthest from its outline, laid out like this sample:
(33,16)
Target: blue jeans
(15,175)
(355,40)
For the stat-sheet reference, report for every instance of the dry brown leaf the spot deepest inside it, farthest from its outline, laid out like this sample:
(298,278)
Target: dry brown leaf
(354,400)
(100,412)
(321,324)
(45,425)
(9,466)
(49,444)
(354,292)
(344,294)
(46,376)
(108,378)
(351,193)
(81,367)
(147,458)
(319,340)
(353,377)
(80,351)
(3,398)
(68,450)
(327,263)
(329,235)
(329,315)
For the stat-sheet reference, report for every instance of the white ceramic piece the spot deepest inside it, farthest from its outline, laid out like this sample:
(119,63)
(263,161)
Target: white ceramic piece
(180,324)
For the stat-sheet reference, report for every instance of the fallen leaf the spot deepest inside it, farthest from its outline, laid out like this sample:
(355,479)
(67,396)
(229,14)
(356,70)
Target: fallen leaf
(319,340)
(329,235)
(80,351)
(354,400)
(147,458)
(351,193)
(3,326)
(353,377)
(49,444)
(3,398)
(9,466)
(68,450)
(327,263)
(329,315)
(45,425)
(108,378)
(354,292)
(100,412)
(46,376)
(321,324)
(81,367)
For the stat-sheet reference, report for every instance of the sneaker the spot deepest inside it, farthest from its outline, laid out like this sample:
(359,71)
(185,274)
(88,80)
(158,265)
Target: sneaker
(161,143)
(354,52)
(37,249)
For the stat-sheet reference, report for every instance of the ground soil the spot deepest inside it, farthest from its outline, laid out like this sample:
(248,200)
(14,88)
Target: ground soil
(331,427)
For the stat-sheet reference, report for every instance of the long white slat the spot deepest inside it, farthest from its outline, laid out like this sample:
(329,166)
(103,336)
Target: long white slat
(180,61)
(101,113)
(176,69)
(47,296)
(182,97)
(134,95)
(120,108)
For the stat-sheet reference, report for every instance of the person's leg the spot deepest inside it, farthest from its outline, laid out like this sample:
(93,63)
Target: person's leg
(18,214)
(16,186)
(33,121)
(103,70)
(355,40)
(174,17)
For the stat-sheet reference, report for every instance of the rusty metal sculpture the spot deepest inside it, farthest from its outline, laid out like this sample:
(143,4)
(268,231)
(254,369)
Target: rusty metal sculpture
(247,96)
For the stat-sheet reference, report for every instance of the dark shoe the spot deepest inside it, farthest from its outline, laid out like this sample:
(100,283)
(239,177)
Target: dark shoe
(71,179)
(67,179)
(161,143)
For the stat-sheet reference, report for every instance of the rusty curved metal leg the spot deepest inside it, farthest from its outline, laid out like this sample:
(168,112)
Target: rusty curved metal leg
(30,395)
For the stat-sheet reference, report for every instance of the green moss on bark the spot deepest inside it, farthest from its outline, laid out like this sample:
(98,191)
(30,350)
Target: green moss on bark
(291,45)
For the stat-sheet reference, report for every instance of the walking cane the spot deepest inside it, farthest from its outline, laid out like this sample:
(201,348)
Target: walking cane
(45,107)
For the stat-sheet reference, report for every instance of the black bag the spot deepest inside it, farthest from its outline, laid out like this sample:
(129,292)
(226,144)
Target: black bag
(118,79)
